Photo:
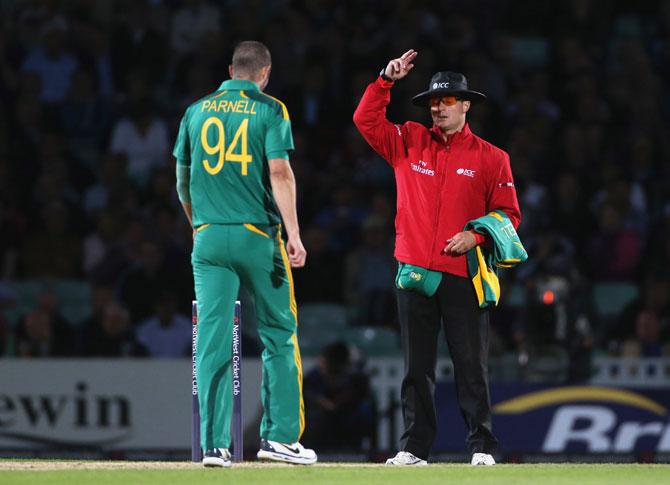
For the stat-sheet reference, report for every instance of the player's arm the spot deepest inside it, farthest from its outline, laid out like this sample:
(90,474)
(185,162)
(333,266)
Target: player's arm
(188,212)
(278,144)
(183,176)
(370,115)
(183,182)
(182,154)
(284,190)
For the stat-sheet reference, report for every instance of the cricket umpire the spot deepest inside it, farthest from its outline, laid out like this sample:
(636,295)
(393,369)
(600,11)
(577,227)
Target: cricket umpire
(446,176)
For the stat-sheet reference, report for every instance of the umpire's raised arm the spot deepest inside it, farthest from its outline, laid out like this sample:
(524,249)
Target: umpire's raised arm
(370,115)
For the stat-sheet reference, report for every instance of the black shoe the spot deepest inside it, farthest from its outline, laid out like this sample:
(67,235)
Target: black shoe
(217,457)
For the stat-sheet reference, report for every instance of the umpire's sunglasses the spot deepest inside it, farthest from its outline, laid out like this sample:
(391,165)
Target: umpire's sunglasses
(448,100)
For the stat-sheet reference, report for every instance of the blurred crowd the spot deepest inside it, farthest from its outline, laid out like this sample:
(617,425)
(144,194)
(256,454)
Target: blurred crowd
(92,92)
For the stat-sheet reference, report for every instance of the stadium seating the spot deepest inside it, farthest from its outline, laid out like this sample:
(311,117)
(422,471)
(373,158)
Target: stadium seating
(374,341)
(322,315)
(74,298)
(609,299)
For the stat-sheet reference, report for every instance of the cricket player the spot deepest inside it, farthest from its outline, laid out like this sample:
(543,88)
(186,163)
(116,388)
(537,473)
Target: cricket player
(236,186)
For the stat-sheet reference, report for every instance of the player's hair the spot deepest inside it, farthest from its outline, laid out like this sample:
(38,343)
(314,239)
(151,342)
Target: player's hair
(250,57)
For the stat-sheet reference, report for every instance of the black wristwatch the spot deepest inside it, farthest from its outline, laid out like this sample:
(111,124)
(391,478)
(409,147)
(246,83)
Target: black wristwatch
(382,74)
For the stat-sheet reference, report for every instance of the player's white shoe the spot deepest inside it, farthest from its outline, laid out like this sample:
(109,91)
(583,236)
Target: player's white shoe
(482,459)
(289,453)
(217,457)
(405,458)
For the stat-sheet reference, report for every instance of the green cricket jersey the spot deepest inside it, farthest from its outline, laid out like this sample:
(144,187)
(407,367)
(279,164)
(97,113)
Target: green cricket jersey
(226,138)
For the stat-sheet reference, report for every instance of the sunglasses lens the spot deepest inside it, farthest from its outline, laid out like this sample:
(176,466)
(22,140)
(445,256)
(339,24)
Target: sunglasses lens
(448,100)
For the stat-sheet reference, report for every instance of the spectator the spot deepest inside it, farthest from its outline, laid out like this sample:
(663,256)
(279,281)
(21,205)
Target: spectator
(369,274)
(54,65)
(567,207)
(138,28)
(642,319)
(613,251)
(54,251)
(647,342)
(13,226)
(110,334)
(145,281)
(190,23)
(7,300)
(342,218)
(166,333)
(142,137)
(112,189)
(321,280)
(85,116)
(338,402)
(43,332)
(98,243)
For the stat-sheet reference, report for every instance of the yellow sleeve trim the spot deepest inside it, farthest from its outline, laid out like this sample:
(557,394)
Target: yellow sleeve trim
(220,94)
(253,228)
(283,106)
(200,228)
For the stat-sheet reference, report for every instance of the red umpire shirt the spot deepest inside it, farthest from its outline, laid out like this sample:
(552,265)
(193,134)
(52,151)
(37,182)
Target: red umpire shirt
(441,184)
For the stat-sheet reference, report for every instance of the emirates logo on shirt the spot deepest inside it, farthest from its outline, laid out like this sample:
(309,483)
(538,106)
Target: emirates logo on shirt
(422,168)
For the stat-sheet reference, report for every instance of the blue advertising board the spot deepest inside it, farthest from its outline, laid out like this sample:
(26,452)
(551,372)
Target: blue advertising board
(531,418)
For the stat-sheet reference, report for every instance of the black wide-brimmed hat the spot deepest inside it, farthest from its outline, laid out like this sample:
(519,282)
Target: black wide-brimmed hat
(448,83)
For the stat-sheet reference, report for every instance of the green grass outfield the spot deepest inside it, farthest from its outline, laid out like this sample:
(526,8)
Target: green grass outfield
(101,473)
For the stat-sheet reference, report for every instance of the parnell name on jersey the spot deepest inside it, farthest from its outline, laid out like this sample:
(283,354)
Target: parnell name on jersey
(238,106)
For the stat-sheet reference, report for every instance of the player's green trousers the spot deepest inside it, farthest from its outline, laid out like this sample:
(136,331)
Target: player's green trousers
(223,256)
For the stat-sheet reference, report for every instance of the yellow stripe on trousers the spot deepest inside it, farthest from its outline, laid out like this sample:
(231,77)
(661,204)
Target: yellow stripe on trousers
(294,310)
(253,228)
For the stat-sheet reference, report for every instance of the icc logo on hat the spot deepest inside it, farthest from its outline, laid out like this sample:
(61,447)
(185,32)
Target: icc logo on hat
(448,83)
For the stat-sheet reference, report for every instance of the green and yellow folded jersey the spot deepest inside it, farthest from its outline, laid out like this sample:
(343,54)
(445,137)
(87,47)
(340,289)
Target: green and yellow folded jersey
(483,263)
